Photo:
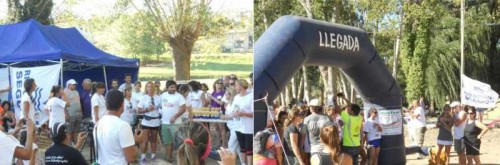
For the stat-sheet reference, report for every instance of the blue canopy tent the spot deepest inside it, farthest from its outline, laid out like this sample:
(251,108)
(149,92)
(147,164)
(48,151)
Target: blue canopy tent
(29,43)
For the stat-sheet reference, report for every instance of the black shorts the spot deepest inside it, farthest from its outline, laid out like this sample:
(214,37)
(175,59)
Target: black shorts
(472,148)
(151,128)
(246,142)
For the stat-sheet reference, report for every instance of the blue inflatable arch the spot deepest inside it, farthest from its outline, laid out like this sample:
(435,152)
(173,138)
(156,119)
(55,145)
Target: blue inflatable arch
(292,42)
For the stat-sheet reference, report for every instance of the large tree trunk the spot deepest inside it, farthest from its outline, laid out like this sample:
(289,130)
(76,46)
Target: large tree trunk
(294,86)
(182,58)
(287,96)
(300,92)
(306,84)
(398,42)
(324,76)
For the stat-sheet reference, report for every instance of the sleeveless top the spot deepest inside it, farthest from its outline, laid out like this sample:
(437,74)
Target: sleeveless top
(351,130)
(471,132)
(444,134)
(325,158)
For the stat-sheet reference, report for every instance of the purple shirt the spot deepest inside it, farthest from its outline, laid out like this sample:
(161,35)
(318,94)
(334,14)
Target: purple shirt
(217,95)
(85,102)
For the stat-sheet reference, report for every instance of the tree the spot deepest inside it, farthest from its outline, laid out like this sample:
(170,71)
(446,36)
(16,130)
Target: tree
(179,23)
(39,10)
(139,37)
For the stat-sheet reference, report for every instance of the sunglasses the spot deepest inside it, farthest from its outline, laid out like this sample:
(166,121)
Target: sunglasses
(471,113)
(218,83)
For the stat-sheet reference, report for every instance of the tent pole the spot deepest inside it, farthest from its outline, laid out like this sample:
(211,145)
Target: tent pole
(61,61)
(105,77)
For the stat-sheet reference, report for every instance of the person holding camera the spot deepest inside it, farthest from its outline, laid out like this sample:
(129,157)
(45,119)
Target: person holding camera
(115,142)
(149,106)
(60,153)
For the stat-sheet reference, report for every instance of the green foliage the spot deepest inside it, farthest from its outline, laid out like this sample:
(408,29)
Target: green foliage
(139,37)
(39,10)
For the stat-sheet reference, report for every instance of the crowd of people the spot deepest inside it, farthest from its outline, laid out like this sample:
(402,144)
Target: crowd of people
(128,121)
(316,134)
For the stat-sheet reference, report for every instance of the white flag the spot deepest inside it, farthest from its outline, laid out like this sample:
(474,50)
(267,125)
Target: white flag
(45,77)
(477,94)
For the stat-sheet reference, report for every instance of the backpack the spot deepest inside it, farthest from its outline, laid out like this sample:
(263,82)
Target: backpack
(259,143)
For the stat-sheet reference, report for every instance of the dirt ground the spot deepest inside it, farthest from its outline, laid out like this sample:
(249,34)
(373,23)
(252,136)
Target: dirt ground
(490,153)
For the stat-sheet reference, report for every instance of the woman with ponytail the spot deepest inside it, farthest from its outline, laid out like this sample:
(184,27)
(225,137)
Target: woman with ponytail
(56,106)
(98,102)
(28,109)
(292,138)
(194,144)
(331,153)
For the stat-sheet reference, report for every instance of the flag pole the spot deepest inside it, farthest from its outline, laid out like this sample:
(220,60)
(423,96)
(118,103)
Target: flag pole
(462,24)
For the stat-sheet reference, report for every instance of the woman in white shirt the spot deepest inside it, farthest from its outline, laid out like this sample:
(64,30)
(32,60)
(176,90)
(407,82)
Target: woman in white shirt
(196,95)
(137,93)
(233,123)
(28,109)
(98,102)
(149,105)
(129,109)
(373,132)
(56,106)
(243,103)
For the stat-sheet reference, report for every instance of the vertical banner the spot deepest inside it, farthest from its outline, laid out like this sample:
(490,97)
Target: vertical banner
(45,77)
(478,94)
(4,83)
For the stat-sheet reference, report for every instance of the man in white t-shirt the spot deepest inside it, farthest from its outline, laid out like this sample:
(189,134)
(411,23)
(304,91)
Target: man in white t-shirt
(128,83)
(173,112)
(460,118)
(11,148)
(418,123)
(113,136)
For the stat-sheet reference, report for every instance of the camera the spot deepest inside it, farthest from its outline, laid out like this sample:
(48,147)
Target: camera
(87,126)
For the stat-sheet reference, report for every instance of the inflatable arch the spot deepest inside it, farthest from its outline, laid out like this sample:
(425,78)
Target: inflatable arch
(292,42)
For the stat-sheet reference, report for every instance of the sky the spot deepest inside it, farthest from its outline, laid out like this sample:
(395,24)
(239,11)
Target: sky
(88,8)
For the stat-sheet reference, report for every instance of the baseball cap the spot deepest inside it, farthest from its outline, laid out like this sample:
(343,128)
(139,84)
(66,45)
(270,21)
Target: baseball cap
(314,102)
(455,104)
(71,81)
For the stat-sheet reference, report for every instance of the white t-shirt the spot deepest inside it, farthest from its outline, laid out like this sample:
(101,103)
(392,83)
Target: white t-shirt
(232,124)
(123,86)
(458,131)
(113,134)
(34,147)
(56,107)
(372,130)
(144,104)
(170,104)
(8,145)
(98,100)
(31,112)
(245,104)
(420,121)
(195,99)
(129,111)
(136,96)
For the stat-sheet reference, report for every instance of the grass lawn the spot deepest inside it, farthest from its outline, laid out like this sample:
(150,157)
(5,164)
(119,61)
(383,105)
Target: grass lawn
(202,67)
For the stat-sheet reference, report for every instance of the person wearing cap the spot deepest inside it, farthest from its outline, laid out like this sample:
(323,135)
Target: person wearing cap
(313,124)
(115,142)
(60,153)
(74,109)
(460,118)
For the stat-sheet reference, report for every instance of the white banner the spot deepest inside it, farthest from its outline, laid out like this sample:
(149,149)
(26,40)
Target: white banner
(477,94)
(391,121)
(45,77)
(4,83)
